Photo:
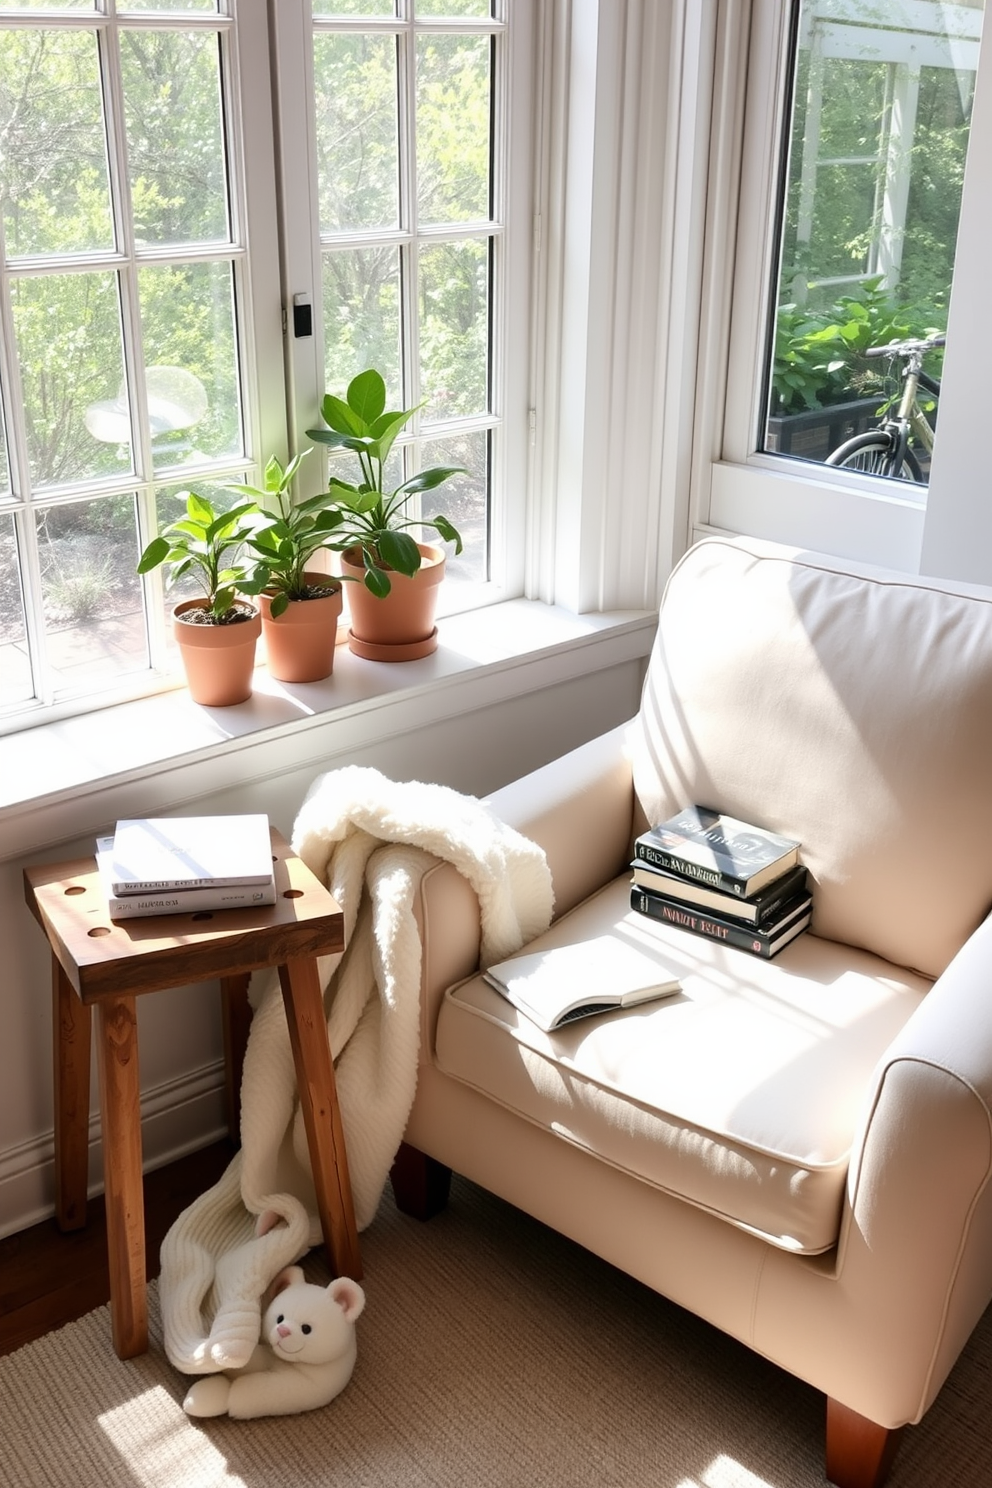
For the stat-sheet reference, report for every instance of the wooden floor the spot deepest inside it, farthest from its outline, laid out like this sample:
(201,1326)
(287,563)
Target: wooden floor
(48,1279)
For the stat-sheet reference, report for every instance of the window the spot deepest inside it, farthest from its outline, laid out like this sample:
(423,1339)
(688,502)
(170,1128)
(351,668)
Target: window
(887,194)
(419,206)
(881,102)
(143,300)
(127,371)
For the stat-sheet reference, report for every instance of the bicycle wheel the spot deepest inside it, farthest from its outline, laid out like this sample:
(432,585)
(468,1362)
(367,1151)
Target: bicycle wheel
(872,453)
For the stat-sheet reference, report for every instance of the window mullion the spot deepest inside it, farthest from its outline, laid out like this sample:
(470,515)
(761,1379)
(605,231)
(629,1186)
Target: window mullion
(409,221)
(127,278)
(34,624)
(299,261)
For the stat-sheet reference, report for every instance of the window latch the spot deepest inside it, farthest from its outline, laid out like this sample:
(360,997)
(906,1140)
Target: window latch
(302,316)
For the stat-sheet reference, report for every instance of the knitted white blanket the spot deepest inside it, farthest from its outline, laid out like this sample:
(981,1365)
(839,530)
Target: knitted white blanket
(367,838)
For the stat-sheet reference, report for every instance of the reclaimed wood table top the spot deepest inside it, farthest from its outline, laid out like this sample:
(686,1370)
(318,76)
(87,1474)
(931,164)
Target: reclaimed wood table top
(103,957)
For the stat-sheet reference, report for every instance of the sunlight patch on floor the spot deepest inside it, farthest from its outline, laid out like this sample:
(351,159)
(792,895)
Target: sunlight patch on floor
(727,1472)
(154,1439)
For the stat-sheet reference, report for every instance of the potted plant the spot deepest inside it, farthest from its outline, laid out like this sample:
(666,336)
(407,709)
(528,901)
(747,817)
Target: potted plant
(300,607)
(217,633)
(393,602)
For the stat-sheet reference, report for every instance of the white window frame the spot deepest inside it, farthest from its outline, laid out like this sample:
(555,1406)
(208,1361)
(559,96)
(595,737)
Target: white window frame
(735,487)
(513,162)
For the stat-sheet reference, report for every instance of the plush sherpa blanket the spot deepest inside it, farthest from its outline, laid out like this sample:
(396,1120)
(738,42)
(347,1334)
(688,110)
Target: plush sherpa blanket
(367,838)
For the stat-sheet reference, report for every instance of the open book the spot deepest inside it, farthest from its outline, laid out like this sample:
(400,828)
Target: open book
(558,985)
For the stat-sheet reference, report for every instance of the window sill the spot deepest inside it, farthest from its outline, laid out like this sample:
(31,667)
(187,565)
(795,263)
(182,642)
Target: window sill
(54,775)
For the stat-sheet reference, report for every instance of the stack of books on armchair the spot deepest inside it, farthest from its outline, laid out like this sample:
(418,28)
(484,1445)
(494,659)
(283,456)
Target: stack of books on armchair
(186,865)
(705,872)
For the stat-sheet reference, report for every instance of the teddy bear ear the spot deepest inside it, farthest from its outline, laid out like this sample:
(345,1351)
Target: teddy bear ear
(287,1277)
(349,1297)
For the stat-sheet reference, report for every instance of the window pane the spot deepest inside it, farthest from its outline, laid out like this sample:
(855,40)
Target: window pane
(195,411)
(125,5)
(473,8)
(453,126)
(362,315)
(463,500)
(15,668)
(357,146)
(94,620)
(53,165)
(879,134)
(354,7)
(454,329)
(47,5)
(68,335)
(175,142)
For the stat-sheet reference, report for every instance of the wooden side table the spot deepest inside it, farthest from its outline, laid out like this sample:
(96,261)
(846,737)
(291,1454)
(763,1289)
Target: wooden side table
(98,961)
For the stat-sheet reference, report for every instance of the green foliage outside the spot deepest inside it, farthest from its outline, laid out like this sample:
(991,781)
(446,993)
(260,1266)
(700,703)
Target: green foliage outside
(823,329)
(820,357)
(358,173)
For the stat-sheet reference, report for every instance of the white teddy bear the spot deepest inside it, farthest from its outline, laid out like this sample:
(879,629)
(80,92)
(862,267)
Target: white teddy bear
(305,1357)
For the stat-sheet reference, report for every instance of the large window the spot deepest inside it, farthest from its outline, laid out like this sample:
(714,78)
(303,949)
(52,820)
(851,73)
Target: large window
(411,197)
(419,126)
(160,217)
(881,102)
(881,228)
(125,306)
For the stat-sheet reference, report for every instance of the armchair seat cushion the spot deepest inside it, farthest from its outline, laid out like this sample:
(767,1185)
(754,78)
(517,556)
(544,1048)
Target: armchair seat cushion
(742,1094)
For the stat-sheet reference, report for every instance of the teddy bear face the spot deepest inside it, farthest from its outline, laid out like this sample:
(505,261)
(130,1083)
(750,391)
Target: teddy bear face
(307,1324)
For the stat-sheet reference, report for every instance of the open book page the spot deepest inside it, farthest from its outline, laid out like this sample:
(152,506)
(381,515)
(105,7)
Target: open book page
(557,985)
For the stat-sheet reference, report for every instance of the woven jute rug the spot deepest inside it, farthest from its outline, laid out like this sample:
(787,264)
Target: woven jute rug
(491,1353)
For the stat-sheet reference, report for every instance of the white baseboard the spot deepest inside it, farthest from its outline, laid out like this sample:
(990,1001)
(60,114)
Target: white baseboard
(177,1117)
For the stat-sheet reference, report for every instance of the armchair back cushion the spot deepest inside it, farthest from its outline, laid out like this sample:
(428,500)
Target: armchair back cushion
(827,703)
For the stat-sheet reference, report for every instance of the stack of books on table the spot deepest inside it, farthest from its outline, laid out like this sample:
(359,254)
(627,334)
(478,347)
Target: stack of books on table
(186,864)
(705,872)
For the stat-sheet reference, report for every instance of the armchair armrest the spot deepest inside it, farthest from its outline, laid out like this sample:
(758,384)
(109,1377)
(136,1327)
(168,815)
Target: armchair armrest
(913,1271)
(580,809)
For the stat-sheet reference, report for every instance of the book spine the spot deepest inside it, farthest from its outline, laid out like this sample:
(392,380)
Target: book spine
(672,863)
(188,901)
(757,911)
(124,889)
(682,917)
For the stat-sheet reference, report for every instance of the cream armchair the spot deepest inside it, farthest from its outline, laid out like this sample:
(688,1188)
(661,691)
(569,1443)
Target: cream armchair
(797,1150)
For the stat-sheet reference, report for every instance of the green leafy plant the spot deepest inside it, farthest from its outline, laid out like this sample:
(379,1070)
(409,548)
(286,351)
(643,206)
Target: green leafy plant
(820,354)
(366,515)
(284,542)
(207,545)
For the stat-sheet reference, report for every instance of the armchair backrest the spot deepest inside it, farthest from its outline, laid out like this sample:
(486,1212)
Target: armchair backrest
(847,706)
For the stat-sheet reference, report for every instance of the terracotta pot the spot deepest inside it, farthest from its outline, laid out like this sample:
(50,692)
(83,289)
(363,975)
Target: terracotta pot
(401,626)
(299,643)
(219,659)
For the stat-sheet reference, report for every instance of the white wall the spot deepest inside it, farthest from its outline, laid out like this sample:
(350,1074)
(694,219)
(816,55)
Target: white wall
(475,750)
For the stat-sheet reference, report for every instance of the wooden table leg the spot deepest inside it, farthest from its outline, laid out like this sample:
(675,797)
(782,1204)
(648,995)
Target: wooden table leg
(237,1022)
(318,1098)
(121,1106)
(71,1029)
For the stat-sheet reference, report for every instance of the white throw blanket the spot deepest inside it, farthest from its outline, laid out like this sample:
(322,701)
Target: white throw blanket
(365,837)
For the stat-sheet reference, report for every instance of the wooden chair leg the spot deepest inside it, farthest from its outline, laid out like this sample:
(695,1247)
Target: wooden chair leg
(421,1185)
(859,1452)
(71,1030)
